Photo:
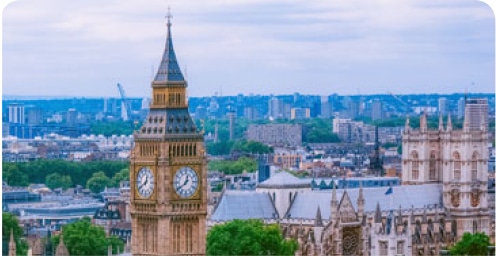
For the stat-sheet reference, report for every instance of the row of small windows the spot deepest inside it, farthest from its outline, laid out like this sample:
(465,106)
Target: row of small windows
(182,231)
(148,150)
(174,99)
(155,119)
(457,166)
(187,149)
(161,130)
(159,98)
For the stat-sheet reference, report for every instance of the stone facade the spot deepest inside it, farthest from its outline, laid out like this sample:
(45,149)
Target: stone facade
(444,193)
(168,170)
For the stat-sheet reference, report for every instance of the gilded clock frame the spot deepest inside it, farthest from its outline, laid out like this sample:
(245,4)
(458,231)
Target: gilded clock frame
(197,194)
(137,195)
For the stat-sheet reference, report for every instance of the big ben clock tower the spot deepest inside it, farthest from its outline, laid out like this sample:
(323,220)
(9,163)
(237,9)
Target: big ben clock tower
(168,170)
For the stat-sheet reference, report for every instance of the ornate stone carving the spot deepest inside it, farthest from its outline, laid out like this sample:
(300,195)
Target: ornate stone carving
(351,240)
(475,197)
(455,197)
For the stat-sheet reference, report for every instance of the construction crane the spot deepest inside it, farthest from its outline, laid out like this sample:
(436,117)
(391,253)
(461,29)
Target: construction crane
(125,103)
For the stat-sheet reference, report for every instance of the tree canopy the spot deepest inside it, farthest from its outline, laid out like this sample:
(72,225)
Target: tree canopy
(56,180)
(84,238)
(78,173)
(10,222)
(98,182)
(471,244)
(233,167)
(248,237)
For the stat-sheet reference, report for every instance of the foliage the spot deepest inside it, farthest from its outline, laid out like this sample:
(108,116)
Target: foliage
(113,128)
(84,238)
(13,176)
(219,148)
(318,131)
(233,167)
(248,237)
(22,174)
(118,177)
(10,222)
(253,147)
(98,182)
(56,180)
(471,244)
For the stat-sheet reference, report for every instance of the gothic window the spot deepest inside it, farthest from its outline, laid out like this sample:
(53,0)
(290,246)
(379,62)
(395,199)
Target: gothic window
(432,166)
(400,248)
(457,166)
(474,226)
(383,248)
(415,166)
(474,167)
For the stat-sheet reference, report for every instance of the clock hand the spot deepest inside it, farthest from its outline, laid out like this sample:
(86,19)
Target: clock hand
(184,184)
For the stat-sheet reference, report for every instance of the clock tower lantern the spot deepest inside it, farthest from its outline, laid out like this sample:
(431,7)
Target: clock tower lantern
(168,173)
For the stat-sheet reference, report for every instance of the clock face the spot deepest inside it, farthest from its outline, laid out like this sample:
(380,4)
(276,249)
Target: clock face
(145,182)
(185,182)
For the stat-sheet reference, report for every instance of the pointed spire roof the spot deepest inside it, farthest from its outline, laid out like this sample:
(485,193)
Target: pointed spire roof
(407,124)
(61,248)
(441,128)
(318,218)
(378,214)
(334,197)
(169,67)
(449,126)
(423,122)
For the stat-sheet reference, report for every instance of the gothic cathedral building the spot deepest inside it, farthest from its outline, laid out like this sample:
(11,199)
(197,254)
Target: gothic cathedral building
(168,170)
(457,159)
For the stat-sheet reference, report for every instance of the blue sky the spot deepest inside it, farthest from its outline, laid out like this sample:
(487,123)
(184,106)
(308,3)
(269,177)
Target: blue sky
(84,48)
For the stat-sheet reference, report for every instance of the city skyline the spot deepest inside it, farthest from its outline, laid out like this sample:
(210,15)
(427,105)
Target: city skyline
(261,47)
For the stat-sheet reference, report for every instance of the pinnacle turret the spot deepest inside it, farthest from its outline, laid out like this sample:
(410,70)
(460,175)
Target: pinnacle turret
(169,67)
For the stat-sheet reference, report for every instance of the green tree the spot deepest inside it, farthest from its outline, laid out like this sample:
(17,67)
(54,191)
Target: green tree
(56,180)
(10,222)
(248,237)
(471,244)
(233,167)
(120,176)
(84,238)
(13,176)
(98,182)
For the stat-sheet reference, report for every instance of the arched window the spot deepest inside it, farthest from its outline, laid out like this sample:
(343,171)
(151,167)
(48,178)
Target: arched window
(432,166)
(415,166)
(474,166)
(457,166)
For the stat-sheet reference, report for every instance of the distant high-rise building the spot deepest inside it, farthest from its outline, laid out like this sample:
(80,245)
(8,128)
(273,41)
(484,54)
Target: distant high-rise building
(16,113)
(442,108)
(72,116)
(300,113)
(325,108)
(105,105)
(276,134)
(461,108)
(34,115)
(250,113)
(476,114)
(376,112)
(275,108)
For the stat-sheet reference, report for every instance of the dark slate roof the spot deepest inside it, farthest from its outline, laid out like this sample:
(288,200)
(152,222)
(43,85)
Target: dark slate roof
(416,196)
(169,67)
(284,179)
(244,205)
(168,123)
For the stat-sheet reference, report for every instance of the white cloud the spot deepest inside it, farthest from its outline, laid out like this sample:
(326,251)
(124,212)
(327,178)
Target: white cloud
(262,46)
